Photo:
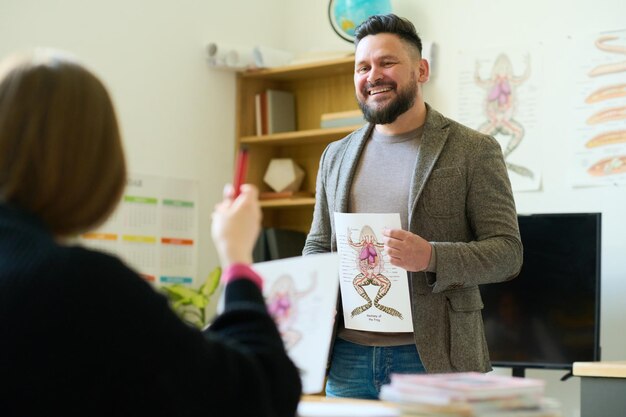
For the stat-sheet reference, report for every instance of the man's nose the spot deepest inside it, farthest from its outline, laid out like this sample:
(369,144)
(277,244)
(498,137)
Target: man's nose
(374,75)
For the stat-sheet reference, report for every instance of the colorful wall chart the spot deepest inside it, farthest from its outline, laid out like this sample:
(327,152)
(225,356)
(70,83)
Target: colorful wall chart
(154,229)
(599,109)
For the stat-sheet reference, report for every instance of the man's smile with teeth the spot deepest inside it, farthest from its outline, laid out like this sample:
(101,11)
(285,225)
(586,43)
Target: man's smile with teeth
(379,90)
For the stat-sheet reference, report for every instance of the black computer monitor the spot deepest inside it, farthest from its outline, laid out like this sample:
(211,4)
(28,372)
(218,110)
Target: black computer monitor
(549,316)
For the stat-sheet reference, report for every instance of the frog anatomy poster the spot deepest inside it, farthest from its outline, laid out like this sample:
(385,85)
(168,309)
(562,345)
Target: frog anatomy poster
(500,95)
(374,293)
(301,297)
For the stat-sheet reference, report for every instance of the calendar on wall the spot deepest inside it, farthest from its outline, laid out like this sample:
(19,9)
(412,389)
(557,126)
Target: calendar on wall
(154,229)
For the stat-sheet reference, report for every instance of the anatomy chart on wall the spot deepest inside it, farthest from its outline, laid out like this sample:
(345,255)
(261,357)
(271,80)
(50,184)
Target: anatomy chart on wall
(374,293)
(599,109)
(153,229)
(499,96)
(301,296)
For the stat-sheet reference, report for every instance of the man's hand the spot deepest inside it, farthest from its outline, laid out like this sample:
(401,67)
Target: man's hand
(407,250)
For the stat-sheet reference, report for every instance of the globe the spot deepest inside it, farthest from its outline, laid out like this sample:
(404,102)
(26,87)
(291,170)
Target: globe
(346,15)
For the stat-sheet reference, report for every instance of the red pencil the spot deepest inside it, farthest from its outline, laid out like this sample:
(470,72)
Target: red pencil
(241,168)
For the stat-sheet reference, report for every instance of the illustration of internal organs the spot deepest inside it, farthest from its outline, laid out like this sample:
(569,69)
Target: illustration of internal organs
(282,304)
(608,166)
(501,106)
(370,264)
(601,43)
(608,138)
(607,115)
(606,93)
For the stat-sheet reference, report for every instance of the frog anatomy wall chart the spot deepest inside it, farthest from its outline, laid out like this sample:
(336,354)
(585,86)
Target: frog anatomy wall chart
(499,95)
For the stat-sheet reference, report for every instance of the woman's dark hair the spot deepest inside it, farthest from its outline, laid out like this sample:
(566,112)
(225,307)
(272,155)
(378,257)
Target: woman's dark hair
(61,156)
(388,23)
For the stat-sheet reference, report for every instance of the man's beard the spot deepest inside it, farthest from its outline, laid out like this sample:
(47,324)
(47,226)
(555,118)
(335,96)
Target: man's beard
(389,113)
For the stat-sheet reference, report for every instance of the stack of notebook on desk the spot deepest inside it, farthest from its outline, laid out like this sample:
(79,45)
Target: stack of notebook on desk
(469,395)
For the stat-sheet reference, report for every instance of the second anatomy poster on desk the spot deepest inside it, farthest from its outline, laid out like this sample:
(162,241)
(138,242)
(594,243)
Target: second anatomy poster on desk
(301,297)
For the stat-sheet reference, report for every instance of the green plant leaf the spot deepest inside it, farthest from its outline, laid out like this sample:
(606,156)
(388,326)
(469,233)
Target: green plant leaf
(212,281)
(199,301)
(172,295)
(180,292)
(190,304)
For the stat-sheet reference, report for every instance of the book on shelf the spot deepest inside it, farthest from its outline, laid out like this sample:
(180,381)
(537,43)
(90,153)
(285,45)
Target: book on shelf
(258,119)
(260,112)
(275,112)
(342,119)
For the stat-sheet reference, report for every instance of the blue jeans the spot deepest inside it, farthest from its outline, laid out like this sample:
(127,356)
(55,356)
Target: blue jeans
(358,371)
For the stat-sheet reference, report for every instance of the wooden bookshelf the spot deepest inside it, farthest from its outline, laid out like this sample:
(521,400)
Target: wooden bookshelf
(320,87)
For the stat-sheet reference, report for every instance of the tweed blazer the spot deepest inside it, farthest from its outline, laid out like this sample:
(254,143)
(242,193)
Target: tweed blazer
(460,201)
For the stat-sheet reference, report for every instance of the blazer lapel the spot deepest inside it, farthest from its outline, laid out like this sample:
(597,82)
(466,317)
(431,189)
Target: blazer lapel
(433,139)
(347,167)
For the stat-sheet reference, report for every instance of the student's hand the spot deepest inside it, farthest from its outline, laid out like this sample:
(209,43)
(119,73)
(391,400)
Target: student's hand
(407,250)
(236,225)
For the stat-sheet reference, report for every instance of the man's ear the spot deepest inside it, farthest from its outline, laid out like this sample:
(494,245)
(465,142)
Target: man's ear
(424,71)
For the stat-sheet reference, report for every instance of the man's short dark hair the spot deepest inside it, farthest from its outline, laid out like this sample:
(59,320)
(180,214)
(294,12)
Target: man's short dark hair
(388,23)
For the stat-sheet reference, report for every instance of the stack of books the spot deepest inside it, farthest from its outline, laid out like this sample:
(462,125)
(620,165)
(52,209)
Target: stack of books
(274,112)
(468,394)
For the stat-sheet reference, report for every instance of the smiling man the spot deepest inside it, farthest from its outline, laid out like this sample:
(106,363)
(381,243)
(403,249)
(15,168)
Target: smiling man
(459,223)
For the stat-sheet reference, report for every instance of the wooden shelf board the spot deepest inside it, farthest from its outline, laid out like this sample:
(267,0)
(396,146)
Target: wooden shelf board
(308,70)
(301,136)
(288,202)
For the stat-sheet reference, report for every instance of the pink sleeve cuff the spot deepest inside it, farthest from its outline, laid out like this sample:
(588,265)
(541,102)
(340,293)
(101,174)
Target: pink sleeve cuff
(241,271)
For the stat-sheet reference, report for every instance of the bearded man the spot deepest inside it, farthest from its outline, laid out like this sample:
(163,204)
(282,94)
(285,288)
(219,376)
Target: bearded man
(459,223)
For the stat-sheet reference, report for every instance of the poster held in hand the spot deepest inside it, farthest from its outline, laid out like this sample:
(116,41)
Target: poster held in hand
(374,293)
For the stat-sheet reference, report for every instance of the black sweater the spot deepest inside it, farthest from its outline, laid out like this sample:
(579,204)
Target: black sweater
(82,334)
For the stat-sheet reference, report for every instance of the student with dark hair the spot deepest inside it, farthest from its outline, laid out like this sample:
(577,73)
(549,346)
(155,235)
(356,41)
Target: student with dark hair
(459,224)
(80,332)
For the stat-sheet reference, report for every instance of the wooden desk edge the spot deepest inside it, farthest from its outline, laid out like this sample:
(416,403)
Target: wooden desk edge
(321,398)
(609,369)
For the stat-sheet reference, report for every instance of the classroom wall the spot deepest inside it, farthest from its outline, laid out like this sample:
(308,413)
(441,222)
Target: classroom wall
(458,25)
(177,116)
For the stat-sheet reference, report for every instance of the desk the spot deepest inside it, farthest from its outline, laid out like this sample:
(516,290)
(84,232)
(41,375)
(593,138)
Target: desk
(319,406)
(602,388)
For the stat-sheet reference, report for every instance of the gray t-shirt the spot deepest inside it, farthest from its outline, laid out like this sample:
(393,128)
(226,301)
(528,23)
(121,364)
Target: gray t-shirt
(381,184)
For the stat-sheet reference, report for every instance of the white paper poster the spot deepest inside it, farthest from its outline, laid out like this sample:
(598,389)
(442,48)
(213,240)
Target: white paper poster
(374,293)
(599,109)
(153,229)
(500,96)
(301,296)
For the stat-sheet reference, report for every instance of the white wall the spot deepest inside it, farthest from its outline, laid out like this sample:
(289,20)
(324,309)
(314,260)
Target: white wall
(457,25)
(177,116)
